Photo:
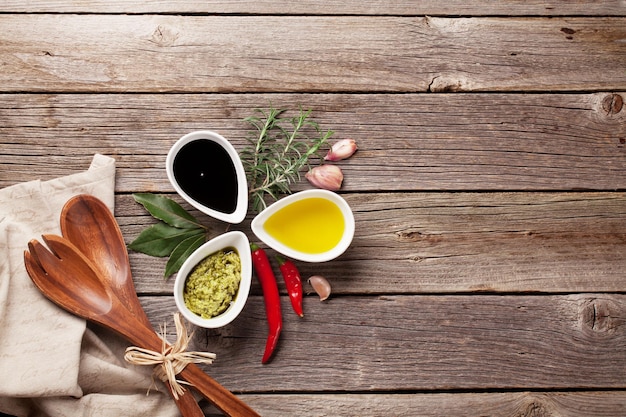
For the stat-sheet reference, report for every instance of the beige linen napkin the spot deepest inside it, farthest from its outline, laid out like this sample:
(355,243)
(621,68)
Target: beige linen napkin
(51,362)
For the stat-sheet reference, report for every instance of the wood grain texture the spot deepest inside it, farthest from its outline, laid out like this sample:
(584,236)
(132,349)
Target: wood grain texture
(418,343)
(150,53)
(408,142)
(309,7)
(453,242)
(521,404)
(486,276)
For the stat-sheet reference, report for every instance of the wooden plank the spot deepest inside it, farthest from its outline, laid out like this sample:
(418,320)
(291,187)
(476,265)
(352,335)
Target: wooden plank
(157,53)
(419,343)
(452,242)
(367,7)
(450,301)
(408,142)
(564,404)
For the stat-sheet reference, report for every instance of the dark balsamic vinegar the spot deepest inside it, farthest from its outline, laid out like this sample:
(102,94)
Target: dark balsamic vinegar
(205,171)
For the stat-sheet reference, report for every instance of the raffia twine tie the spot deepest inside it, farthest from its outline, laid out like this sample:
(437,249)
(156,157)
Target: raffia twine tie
(172,359)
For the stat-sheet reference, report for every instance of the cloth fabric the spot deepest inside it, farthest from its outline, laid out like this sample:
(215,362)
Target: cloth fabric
(51,362)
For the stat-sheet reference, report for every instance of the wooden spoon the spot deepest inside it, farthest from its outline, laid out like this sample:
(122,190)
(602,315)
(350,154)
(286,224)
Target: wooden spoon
(71,280)
(89,224)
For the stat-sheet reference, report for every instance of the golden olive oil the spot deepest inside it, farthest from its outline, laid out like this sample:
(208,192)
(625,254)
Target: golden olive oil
(312,225)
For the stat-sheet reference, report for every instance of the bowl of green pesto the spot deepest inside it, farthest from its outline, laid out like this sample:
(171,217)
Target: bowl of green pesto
(213,284)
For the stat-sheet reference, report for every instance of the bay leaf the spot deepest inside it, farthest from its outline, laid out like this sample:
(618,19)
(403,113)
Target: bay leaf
(167,210)
(182,252)
(161,239)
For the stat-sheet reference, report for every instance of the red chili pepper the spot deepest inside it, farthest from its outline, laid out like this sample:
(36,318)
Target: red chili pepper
(266,277)
(291,275)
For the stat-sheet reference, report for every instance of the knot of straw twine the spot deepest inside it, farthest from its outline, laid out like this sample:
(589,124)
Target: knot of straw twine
(172,359)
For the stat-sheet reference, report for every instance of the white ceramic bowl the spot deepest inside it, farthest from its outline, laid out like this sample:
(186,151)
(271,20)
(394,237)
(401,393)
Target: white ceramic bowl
(258,226)
(241,207)
(237,240)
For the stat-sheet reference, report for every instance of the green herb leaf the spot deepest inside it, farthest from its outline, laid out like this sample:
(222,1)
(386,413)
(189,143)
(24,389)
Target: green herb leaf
(279,148)
(167,210)
(161,239)
(182,252)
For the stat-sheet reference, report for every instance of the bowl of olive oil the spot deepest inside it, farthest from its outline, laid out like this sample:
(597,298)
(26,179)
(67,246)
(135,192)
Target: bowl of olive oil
(205,169)
(311,226)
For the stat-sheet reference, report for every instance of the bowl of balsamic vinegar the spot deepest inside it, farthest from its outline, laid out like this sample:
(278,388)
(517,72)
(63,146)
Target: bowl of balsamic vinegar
(205,169)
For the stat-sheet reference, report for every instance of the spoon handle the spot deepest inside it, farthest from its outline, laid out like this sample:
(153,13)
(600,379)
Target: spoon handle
(142,336)
(89,224)
(70,280)
(187,404)
(219,396)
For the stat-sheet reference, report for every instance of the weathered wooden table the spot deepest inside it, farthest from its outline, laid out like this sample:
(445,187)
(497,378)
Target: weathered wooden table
(488,271)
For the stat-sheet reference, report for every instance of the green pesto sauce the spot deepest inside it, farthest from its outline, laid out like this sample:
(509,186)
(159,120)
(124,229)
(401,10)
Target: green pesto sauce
(213,283)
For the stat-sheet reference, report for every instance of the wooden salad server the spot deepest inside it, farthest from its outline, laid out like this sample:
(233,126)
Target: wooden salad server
(89,224)
(69,279)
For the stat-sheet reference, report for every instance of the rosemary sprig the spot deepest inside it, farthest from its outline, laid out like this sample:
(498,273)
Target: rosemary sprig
(278,150)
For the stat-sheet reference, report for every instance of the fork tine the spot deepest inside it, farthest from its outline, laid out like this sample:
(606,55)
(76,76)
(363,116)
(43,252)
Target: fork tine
(33,266)
(33,249)
(62,282)
(42,254)
(61,247)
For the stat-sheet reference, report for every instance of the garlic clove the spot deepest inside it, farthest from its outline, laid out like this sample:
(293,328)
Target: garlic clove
(321,286)
(327,177)
(341,150)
